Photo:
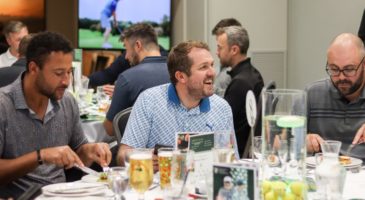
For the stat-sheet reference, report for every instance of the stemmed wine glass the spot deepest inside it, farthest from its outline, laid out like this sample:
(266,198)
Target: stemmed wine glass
(141,170)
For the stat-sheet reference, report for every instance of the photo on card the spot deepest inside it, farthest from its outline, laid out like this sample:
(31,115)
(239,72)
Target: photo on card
(234,182)
(182,139)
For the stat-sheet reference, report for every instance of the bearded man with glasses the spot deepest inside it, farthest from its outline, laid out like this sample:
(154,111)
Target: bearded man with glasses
(336,105)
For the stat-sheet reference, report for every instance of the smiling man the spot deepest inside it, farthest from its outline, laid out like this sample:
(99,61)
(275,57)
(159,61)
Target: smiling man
(186,105)
(336,105)
(40,129)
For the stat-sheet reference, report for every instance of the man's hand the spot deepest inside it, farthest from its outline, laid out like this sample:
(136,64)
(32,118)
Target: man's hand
(62,156)
(313,142)
(95,152)
(109,90)
(360,135)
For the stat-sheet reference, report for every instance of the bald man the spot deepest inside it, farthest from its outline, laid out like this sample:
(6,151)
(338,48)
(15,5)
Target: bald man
(336,105)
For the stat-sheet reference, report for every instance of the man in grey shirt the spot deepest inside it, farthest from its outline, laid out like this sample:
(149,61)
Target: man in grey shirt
(40,130)
(336,105)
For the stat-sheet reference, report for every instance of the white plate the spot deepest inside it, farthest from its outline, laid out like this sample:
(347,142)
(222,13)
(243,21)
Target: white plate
(311,162)
(75,189)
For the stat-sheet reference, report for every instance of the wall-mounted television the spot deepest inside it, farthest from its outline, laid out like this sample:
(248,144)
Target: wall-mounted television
(94,17)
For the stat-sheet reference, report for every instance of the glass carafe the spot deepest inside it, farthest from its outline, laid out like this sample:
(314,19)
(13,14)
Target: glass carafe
(283,144)
(330,174)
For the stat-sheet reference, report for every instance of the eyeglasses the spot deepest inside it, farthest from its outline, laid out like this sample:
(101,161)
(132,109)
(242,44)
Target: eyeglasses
(348,71)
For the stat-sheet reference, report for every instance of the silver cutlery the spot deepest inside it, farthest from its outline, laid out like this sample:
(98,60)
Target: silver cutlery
(87,170)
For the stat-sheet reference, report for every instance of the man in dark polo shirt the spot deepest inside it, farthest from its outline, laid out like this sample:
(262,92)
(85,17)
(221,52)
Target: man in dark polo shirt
(40,129)
(149,69)
(232,46)
(336,105)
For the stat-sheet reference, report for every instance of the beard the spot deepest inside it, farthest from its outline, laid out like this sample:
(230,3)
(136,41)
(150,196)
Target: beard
(134,59)
(200,91)
(353,86)
(53,94)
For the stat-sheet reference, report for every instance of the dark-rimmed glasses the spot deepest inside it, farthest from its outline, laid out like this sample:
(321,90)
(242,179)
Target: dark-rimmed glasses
(348,71)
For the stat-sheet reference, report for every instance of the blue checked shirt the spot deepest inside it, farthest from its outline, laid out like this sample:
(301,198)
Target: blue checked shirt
(158,115)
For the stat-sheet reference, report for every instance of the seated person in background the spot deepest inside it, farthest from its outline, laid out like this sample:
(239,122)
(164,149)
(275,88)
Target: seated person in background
(149,69)
(23,45)
(40,129)
(109,75)
(14,31)
(188,104)
(336,105)
(223,79)
(232,46)
(9,74)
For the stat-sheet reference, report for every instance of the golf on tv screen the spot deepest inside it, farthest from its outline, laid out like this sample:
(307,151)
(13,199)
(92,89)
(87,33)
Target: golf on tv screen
(98,29)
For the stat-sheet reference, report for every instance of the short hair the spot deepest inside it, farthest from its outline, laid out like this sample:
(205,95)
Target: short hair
(13,27)
(23,45)
(236,35)
(178,59)
(224,23)
(43,44)
(143,32)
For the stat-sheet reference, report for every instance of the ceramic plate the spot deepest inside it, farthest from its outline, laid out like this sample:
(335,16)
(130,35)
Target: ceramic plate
(75,189)
(93,179)
(311,162)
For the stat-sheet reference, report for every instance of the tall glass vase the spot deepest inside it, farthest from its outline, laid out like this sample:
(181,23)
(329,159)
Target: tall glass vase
(284,128)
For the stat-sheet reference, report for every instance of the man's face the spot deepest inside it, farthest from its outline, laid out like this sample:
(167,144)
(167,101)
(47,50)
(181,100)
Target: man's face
(346,60)
(53,79)
(131,54)
(14,38)
(228,184)
(223,50)
(200,82)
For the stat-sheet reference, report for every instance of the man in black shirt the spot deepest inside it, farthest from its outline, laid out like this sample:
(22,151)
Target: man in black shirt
(232,46)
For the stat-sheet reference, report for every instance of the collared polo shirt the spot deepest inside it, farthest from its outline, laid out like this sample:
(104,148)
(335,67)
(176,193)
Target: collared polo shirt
(334,118)
(152,71)
(22,132)
(7,59)
(158,115)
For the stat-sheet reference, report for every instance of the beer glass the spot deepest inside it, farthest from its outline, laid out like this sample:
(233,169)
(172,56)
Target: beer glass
(164,165)
(141,171)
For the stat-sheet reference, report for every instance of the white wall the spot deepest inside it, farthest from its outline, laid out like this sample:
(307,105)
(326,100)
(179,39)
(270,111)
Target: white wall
(312,25)
(265,21)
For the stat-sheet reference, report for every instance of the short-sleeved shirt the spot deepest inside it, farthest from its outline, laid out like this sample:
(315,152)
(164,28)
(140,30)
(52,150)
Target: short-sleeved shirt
(334,118)
(7,59)
(158,115)
(152,71)
(22,132)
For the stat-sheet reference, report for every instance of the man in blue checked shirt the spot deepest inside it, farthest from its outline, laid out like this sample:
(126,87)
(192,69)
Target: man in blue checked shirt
(187,104)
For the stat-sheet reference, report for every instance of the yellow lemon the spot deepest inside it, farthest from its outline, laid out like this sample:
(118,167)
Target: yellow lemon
(270,196)
(298,188)
(266,187)
(279,188)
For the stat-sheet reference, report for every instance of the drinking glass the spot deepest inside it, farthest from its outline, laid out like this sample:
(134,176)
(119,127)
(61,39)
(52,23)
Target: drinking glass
(181,165)
(164,164)
(141,171)
(224,139)
(223,155)
(257,147)
(118,181)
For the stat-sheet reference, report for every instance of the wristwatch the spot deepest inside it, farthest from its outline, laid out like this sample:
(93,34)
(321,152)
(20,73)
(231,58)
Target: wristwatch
(39,158)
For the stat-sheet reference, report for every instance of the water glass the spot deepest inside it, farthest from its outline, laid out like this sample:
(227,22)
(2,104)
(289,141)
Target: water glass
(181,165)
(224,139)
(164,164)
(223,155)
(118,181)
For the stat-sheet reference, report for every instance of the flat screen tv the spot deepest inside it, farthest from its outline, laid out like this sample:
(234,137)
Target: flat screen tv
(95,16)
